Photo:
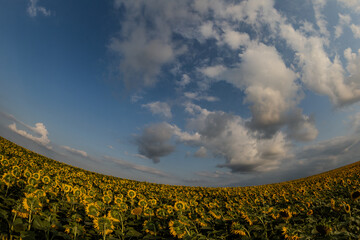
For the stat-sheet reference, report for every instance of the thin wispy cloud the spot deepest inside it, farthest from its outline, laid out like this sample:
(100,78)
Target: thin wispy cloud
(34,9)
(75,151)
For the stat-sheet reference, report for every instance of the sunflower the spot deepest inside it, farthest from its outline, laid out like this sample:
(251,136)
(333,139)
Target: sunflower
(123,207)
(216,214)
(347,208)
(66,188)
(114,214)
(153,202)
(8,179)
(136,211)
(36,176)
(237,229)
(103,225)
(46,179)
(16,172)
(142,203)
(179,206)
(77,192)
(150,227)
(284,230)
(148,212)
(131,194)
(118,200)
(107,199)
(5,162)
(285,214)
(201,222)
(177,229)
(27,173)
(92,210)
(161,213)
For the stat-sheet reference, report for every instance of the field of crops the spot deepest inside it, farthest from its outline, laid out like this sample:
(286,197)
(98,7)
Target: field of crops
(41,198)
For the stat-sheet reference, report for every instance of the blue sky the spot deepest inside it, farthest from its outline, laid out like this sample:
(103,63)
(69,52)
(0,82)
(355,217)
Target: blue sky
(199,93)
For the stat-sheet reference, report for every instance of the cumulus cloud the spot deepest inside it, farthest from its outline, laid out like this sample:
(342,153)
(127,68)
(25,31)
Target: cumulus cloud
(33,9)
(302,127)
(160,108)
(201,152)
(75,151)
(212,71)
(137,167)
(144,44)
(154,141)
(39,130)
(319,73)
(236,39)
(243,150)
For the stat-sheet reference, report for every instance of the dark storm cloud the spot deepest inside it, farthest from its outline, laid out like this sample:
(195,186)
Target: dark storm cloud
(154,141)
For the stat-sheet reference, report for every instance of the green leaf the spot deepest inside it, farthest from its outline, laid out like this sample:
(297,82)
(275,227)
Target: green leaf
(28,235)
(133,233)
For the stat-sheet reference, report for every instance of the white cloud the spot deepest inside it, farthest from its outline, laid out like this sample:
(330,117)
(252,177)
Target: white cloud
(208,31)
(198,96)
(212,71)
(319,73)
(160,108)
(321,22)
(344,20)
(185,80)
(353,5)
(39,129)
(75,151)
(201,152)
(356,30)
(33,9)
(243,150)
(236,39)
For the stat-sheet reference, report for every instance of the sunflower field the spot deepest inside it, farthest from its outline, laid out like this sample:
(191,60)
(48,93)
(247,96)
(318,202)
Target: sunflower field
(41,198)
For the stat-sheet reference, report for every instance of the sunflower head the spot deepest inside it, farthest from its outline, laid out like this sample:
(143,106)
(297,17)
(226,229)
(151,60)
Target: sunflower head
(285,214)
(92,210)
(66,188)
(161,213)
(142,203)
(148,212)
(179,206)
(152,202)
(27,173)
(237,229)
(123,207)
(36,175)
(103,225)
(46,179)
(136,211)
(8,179)
(114,214)
(131,194)
(347,208)
(107,199)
